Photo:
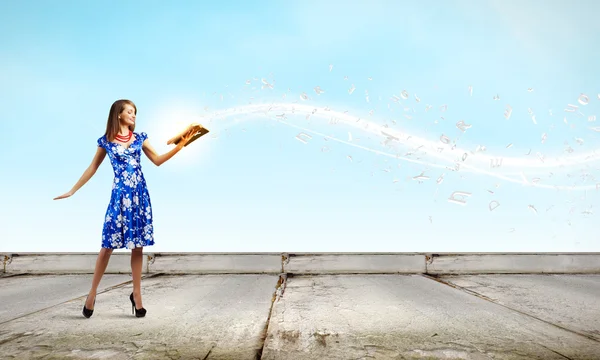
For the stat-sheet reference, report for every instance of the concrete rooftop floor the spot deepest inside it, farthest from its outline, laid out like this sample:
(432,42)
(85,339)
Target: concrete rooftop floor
(337,312)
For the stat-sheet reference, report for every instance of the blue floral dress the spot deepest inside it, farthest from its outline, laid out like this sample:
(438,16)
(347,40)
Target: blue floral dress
(128,221)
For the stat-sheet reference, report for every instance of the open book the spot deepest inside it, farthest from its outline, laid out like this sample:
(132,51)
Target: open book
(197,128)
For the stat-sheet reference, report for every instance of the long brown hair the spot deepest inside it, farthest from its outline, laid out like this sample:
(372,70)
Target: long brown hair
(113,125)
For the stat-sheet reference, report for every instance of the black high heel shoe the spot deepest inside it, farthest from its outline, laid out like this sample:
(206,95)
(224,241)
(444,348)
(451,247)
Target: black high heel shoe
(138,312)
(87,312)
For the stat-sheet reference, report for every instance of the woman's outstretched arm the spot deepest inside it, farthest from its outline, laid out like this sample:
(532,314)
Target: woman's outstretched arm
(158,160)
(87,174)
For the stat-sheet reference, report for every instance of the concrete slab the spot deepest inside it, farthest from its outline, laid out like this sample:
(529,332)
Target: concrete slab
(354,263)
(21,295)
(215,263)
(406,317)
(584,263)
(189,317)
(67,263)
(569,301)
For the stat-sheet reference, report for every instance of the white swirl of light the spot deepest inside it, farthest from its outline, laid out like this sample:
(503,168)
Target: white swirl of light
(475,161)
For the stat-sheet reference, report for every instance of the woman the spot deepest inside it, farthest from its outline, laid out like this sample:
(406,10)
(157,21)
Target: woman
(128,221)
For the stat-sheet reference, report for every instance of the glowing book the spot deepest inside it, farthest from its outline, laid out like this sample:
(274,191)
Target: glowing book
(198,129)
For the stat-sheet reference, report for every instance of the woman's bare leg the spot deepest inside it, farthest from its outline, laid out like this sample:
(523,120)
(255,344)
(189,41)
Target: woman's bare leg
(101,264)
(137,259)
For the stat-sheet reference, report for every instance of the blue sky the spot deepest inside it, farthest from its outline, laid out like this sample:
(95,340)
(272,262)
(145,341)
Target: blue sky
(250,185)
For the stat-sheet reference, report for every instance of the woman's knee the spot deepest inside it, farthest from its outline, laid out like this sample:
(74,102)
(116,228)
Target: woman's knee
(137,250)
(106,251)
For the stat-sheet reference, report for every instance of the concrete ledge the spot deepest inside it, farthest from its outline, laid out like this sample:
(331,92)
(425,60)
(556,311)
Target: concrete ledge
(354,263)
(66,263)
(215,263)
(311,263)
(584,263)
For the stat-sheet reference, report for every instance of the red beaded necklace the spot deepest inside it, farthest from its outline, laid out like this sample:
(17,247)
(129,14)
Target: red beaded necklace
(124,138)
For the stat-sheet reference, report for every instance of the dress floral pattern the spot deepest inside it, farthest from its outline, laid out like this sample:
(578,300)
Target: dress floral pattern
(128,221)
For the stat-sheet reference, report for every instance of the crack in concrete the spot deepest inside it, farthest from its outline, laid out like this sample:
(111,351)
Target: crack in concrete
(277,294)
(468,291)
(14,337)
(282,287)
(4,263)
(556,352)
(483,297)
(150,258)
(209,351)
(285,259)
(9,275)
